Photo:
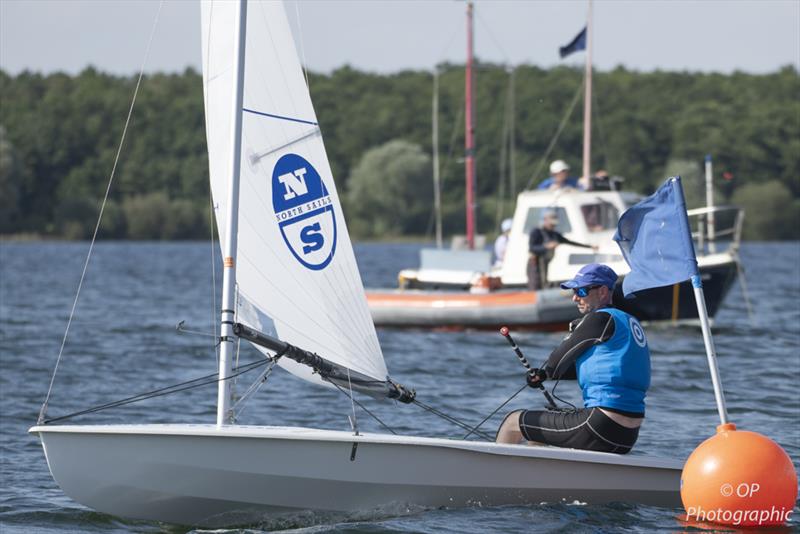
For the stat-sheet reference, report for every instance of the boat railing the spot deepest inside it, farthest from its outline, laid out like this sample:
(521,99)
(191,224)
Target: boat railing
(716,229)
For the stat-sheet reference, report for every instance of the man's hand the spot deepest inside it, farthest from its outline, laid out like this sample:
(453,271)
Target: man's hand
(535,377)
(551,245)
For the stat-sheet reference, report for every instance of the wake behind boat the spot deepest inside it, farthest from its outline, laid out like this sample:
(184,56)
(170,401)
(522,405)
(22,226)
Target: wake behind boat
(292,288)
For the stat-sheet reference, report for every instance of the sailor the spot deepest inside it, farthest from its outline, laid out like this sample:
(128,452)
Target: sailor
(606,350)
(559,177)
(501,243)
(542,243)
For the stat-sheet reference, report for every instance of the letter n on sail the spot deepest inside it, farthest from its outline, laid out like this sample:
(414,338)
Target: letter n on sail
(304,211)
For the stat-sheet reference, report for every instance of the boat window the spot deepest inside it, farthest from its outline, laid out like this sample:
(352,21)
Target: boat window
(600,216)
(534,219)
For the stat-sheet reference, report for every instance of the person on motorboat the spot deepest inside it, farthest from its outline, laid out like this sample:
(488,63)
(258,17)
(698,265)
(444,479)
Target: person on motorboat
(542,243)
(501,243)
(559,177)
(607,352)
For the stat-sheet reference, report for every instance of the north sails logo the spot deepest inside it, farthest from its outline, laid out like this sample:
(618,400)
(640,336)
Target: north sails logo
(304,211)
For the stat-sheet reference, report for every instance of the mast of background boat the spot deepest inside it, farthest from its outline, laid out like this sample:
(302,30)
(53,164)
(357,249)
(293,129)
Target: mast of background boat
(469,139)
(228,314)
(437,193)
(587,100)
(712,247)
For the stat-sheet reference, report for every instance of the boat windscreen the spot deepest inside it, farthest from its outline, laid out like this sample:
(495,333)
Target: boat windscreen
(533,219)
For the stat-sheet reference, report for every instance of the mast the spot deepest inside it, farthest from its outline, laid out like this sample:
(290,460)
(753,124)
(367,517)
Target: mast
(469,139)
(587,100)
(511,127)
(228,315)
(437,193)
(712,246)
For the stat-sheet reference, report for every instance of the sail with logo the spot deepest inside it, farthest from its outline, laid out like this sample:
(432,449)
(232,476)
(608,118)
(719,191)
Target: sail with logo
(296,272)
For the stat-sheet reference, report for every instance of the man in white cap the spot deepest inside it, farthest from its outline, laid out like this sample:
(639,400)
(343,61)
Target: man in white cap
(559,177)
(501,243)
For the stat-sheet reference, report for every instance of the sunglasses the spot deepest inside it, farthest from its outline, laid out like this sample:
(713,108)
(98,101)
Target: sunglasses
(583,292)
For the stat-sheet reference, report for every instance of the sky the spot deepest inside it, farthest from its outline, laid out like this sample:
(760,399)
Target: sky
(387,36)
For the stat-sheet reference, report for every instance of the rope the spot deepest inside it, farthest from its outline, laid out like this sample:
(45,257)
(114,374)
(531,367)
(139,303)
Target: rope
(168,390)
(43,411)
(552,144)
(352,402)
(453,420)
(352,398)
(494,412)
(254,387)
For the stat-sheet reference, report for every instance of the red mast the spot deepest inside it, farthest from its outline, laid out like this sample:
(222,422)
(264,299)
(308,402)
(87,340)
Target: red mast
(469,137)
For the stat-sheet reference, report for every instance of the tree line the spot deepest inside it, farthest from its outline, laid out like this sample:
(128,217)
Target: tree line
(59,136)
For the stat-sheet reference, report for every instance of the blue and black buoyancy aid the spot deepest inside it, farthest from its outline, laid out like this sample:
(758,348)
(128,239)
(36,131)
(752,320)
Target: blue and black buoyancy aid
(616,374)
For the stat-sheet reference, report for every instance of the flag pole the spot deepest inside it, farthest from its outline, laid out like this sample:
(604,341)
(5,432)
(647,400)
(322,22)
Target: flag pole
(702,313)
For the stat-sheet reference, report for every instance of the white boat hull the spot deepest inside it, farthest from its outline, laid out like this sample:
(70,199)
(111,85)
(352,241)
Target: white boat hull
(210,476)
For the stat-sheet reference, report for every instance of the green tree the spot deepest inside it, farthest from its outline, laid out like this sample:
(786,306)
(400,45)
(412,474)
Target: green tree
(11,175)
(387,190)
(770,211)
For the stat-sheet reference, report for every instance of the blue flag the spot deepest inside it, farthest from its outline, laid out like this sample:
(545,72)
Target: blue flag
(578,43)
(656,241)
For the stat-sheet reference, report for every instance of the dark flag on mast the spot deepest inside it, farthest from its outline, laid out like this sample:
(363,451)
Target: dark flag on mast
(578,43)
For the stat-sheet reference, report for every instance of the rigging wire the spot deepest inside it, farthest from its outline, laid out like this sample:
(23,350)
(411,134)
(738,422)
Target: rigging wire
(476,427)
(352,398)
(505,149)
(354,422)
(600,132)
(485,26)
(43,410)
(212,220)
(453,420)
(168,390)
(302,48)
(552,144)
(253,389)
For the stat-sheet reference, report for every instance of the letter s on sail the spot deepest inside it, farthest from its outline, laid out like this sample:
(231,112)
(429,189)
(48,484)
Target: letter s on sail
(304,211)
(312,235)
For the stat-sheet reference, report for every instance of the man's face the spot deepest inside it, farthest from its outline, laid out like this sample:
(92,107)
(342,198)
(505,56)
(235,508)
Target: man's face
(594,300)
(561,177)
(550,222)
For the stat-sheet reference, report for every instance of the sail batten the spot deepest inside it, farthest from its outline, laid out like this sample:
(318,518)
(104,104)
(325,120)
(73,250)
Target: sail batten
(281,117)
(297,276)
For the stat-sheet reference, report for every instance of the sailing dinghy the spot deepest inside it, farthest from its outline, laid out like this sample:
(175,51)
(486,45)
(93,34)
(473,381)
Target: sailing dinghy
(292,287)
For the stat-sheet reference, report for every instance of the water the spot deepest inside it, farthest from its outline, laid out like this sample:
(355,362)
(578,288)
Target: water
(123,341)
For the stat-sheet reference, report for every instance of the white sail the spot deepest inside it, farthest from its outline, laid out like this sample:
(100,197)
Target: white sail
(296,272)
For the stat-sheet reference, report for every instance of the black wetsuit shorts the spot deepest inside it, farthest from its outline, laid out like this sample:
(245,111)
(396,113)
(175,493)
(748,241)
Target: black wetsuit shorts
(587,428)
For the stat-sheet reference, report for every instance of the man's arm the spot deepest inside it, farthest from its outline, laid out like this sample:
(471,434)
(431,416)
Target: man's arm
(562,239)
(596,327)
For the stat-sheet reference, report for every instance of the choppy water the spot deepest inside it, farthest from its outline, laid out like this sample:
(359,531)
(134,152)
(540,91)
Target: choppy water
(123,341)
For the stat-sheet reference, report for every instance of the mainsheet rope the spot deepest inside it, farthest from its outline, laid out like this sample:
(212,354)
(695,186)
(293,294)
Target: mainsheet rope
(43,411)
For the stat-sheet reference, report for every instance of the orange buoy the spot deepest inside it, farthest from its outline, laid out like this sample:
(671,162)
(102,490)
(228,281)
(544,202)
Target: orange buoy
(739,478)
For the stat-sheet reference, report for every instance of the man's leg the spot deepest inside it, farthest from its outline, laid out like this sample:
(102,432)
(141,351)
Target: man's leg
(534,280)
(509,431)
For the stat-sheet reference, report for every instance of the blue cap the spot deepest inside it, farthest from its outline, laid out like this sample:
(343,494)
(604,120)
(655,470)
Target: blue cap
(594,274)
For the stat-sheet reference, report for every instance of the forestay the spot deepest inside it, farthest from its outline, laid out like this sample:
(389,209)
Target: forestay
(296,272)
